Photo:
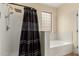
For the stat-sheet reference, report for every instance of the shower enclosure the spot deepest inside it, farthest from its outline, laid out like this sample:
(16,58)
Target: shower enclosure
(10,28)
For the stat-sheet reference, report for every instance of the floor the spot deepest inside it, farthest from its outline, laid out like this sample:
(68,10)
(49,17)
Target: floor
(72,54)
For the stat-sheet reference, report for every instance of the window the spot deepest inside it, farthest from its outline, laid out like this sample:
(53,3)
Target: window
(46,21)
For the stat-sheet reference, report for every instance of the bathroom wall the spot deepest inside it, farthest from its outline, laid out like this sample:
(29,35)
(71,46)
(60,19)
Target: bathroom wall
(66,17)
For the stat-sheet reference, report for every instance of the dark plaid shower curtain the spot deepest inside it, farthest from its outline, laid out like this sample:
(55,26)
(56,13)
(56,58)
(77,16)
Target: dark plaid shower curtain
(29,42)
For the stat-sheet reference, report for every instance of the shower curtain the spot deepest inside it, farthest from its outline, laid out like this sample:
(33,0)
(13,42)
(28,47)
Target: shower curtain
(30,40)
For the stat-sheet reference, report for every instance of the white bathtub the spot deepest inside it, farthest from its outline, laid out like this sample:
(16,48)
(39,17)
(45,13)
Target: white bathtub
(59,48)
(58,43)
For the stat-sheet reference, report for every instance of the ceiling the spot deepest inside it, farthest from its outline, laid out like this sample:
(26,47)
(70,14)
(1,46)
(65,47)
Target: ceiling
(54,4)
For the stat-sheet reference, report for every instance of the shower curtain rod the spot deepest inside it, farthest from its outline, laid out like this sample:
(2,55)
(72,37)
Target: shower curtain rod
(21,5)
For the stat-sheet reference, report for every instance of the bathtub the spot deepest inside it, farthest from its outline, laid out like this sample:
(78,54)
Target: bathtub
(58,43)
(59,48)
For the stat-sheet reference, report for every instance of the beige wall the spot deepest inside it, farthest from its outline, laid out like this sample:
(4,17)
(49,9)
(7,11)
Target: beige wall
(65,16)
(66,20)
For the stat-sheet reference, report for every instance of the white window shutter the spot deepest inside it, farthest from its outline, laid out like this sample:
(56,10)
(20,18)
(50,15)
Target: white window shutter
(46,21)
